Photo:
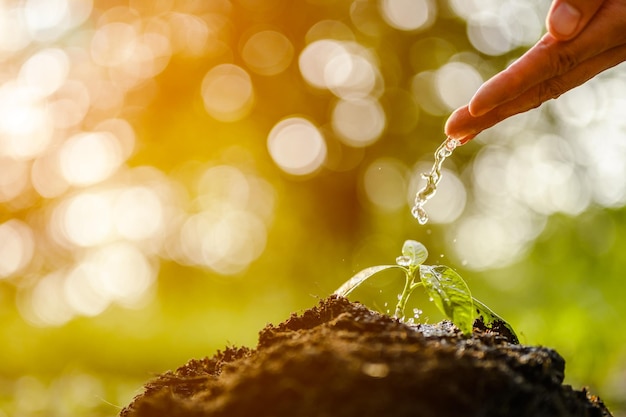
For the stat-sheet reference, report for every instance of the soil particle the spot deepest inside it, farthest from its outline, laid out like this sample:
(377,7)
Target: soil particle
(341,359)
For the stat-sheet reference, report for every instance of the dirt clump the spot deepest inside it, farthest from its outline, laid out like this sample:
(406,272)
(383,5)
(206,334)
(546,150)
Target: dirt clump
(341,359)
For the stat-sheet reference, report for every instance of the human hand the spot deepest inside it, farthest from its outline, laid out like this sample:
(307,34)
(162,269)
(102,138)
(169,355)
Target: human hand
(585,37)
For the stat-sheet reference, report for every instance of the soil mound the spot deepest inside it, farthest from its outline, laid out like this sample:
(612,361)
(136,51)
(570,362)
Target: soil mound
(341,359)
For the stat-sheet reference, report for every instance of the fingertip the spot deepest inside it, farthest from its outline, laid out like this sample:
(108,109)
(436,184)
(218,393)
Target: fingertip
(459,125)
(454,125)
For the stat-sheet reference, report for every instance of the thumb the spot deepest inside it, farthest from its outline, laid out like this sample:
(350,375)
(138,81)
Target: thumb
(567,18)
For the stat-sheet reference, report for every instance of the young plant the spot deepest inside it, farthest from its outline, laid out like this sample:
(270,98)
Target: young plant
(444,286)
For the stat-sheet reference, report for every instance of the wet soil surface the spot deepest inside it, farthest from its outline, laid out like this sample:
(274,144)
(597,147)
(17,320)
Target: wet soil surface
(342,359)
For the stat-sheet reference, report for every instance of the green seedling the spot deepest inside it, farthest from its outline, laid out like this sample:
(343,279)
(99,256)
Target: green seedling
(443,285)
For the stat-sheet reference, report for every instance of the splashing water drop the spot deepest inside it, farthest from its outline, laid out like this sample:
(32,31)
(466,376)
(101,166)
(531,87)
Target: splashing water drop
(432,179)
(403,260)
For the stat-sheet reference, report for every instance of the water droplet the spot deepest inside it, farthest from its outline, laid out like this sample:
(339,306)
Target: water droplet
(419,213)
(431,299)
(441,256)
(403,260)
(417,313)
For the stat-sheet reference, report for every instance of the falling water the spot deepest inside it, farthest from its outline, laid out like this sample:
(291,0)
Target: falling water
(432,179)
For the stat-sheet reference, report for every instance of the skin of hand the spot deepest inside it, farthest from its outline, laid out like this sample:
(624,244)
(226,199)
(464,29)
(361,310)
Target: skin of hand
(585,37)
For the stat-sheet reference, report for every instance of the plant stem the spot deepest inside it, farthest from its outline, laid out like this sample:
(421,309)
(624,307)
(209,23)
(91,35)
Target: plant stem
(406,292)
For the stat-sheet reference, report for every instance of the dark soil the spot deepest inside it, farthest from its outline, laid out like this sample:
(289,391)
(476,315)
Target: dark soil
(341,359)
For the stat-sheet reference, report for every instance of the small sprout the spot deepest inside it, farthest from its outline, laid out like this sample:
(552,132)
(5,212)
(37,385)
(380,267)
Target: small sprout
(413,254)
(443,285)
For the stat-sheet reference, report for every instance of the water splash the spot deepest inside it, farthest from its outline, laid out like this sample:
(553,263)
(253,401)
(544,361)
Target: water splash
(404,260)
(432,179)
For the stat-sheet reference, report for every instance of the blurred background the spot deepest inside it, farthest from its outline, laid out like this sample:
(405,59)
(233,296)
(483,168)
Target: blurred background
(176,174)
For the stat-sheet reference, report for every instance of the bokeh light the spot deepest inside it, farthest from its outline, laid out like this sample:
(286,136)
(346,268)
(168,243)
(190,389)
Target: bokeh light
(86,219)
(267,52)
(456,83)
(89,158)
(45,71)
(227,92)
(409,14)
(25,125)
(297,146)
(384,184)
(497,27)
(359,122)
(16,247)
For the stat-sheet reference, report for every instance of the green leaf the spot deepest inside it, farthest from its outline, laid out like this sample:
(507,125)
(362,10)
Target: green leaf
(489,318)
(413,254)
(358,279)
(450,294)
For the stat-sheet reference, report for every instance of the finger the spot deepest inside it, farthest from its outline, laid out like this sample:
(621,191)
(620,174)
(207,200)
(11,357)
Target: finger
(567,18)
(462,123)
(550,58)
(531,68)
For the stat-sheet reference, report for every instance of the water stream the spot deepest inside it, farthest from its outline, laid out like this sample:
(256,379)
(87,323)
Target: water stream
(432,179)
